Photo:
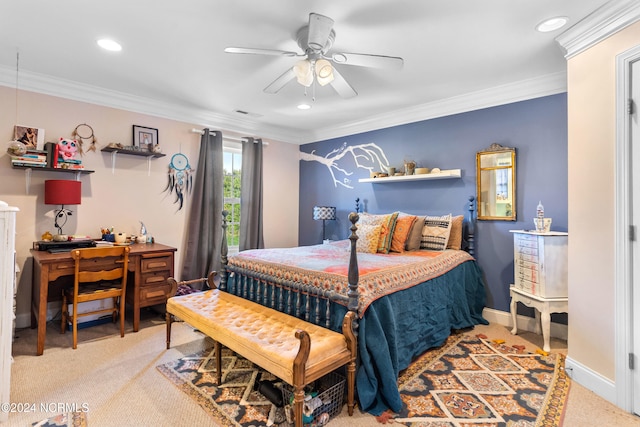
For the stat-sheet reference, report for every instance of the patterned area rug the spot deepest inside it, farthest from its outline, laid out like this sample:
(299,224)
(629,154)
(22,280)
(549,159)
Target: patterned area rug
(69,419)
(234,403)
(469,381)
(472,381)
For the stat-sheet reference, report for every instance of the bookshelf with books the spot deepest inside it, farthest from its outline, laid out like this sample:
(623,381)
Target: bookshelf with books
(48,160)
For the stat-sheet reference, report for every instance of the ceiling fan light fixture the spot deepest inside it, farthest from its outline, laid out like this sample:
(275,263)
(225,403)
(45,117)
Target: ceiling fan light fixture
(304,106)
(324,72)
(303,72)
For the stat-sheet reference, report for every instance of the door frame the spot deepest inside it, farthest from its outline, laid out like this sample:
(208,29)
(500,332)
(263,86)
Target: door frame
(623,245)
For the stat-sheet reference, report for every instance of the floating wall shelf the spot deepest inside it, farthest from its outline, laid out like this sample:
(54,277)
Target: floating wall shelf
(444,174)
(47,169)
(115,151)
(132,152)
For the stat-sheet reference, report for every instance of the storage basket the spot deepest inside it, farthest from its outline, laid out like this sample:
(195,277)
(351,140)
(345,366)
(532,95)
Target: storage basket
(330,392)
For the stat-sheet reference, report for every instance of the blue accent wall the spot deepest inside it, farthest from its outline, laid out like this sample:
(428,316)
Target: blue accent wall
(537,128)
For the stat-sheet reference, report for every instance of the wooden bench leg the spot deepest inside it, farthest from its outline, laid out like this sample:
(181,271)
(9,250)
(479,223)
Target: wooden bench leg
(169,320)
(218,349)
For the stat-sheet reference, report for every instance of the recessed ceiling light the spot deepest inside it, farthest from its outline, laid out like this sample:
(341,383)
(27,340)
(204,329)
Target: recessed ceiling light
(304,106)
(552,24)
(110,45)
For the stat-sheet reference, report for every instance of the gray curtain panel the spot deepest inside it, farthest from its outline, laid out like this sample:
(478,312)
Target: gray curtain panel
(251,231)
(204,225)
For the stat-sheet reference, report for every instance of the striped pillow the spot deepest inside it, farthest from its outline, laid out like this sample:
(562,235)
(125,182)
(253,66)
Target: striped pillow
(435,233)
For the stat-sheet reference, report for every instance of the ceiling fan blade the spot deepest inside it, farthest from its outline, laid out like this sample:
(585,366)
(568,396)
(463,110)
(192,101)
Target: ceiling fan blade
(319,30)
(253,51)
(365,60)
(341,86)
(281,81)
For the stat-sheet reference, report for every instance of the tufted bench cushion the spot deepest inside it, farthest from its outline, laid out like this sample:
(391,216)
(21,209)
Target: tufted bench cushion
(292,349)
(263,335)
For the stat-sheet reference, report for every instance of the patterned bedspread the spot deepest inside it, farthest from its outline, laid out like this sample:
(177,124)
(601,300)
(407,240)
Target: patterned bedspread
(326,266)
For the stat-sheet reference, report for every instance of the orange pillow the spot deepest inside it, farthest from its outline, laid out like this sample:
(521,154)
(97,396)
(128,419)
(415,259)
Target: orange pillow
(401,232)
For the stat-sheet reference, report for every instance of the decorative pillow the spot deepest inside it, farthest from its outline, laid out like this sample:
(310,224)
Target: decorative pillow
(368,236)
(415,235)
(401,232)
(388,223)
(455,238)
(435,233)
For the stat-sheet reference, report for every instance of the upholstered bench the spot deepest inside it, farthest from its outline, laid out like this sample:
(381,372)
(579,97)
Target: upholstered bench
(296,351)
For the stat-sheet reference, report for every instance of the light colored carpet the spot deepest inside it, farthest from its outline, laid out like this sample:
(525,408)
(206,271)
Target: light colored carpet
(117,380)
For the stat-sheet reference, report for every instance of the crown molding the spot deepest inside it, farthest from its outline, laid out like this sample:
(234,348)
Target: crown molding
(513,92)
(602,23)
(48,85)
(549,84)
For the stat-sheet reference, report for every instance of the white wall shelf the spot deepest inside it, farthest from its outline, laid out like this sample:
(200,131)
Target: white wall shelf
(444,174)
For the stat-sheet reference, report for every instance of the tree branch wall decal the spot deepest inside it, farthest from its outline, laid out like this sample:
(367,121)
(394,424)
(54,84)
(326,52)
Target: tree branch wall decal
(342,162)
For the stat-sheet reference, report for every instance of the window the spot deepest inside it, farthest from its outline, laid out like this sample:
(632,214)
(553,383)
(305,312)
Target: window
(232,175)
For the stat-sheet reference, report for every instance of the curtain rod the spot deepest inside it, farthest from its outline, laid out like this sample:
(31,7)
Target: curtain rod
(228,138)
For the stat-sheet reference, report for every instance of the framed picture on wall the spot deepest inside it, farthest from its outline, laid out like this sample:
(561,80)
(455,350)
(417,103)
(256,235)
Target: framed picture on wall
(145,138)
(32,137)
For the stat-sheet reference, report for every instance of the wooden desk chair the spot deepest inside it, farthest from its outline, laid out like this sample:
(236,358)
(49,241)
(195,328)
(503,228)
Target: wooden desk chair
(100,273)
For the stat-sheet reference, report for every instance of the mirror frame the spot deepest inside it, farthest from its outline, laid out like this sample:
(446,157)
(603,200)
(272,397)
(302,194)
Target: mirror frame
(492,150)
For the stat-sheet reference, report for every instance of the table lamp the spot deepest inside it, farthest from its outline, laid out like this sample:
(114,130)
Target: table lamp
(324,213)
(62,192)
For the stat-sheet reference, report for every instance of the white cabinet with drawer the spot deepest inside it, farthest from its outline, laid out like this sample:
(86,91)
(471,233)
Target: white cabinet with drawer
(540,263)
(540,277)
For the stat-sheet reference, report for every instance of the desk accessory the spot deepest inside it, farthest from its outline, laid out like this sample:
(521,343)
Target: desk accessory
(62,192)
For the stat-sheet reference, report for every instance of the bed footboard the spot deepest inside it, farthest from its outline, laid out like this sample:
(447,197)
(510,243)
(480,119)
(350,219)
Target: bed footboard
(306,302)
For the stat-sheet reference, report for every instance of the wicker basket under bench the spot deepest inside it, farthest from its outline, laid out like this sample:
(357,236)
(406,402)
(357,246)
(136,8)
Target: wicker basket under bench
(294,350)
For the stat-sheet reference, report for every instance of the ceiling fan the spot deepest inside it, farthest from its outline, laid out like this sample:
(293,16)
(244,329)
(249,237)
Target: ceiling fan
(316,40)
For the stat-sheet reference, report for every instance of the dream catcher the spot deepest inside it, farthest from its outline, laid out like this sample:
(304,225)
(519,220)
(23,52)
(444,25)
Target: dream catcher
(180,177)
(82,132)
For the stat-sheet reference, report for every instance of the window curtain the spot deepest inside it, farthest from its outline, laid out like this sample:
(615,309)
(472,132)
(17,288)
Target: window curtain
(251,232)
(204,220)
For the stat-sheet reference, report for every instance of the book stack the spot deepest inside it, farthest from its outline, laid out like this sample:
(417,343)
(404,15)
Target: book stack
(32,158)
(69,163)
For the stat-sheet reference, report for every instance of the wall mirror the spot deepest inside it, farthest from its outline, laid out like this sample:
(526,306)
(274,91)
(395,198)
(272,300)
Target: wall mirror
(496,183)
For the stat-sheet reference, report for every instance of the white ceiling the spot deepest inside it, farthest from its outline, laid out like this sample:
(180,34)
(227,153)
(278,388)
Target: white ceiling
(173,61)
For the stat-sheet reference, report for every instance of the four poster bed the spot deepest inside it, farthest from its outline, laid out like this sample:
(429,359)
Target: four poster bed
(407,302)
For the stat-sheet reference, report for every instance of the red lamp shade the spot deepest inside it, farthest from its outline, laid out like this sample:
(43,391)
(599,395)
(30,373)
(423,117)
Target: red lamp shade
(62,192)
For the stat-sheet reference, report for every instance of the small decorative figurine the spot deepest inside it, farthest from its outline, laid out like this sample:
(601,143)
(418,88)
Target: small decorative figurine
(67,148)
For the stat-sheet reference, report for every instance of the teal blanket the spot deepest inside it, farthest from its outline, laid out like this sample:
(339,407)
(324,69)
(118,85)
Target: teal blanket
(395,330)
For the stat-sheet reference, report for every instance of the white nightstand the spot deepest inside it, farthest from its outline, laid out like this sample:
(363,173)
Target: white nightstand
(544,307)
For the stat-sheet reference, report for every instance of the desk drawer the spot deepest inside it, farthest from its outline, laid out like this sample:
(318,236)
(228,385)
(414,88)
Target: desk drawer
(154,278)
(157,262)
(154,294)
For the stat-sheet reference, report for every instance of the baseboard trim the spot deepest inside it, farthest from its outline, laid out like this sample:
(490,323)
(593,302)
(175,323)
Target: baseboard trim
(23,320)
(591,380)
(525,323)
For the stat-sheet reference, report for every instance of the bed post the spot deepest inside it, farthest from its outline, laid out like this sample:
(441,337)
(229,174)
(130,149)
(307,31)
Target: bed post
(471,227)
(353,266)
(224,250)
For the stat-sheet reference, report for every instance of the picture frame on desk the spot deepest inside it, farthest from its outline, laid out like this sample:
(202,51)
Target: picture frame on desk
(144,138)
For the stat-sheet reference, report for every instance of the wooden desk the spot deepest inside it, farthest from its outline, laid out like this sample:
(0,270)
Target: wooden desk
(150,265)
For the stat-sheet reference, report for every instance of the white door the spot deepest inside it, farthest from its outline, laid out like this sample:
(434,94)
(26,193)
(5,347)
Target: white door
(634,130)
